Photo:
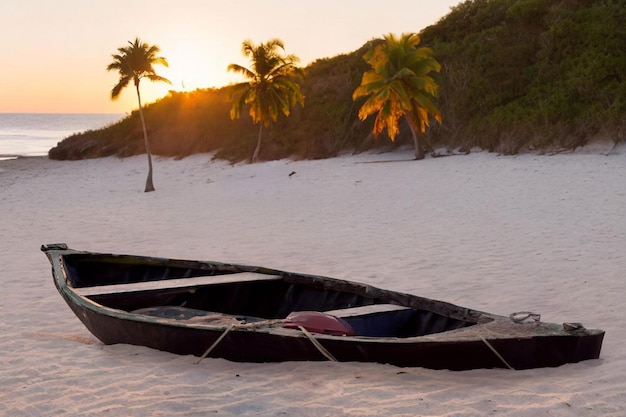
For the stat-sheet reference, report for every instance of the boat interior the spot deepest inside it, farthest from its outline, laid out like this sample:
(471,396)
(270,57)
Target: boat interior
(193,291)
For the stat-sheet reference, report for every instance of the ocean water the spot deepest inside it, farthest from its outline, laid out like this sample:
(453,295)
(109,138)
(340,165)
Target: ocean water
(33,134)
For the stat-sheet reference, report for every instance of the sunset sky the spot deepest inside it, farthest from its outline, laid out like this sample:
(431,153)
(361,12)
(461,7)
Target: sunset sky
(54,53)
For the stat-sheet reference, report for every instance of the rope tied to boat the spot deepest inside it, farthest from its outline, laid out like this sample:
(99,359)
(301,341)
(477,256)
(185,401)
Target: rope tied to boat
(318,345)
(219,339)
(518,317)
(248,326)
(490,346)
(525,317)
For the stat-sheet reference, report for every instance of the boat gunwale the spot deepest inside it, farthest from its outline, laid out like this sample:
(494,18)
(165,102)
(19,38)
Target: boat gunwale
(58,265)
(469,334)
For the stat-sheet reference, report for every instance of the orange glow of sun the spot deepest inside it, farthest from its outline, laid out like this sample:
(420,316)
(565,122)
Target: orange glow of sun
(191,67)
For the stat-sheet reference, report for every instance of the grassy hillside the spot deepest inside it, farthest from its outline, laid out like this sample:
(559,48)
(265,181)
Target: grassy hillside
(516,74)
(531,73)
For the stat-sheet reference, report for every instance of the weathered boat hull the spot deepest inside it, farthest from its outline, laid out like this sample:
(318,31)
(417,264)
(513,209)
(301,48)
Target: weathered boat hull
(474,340)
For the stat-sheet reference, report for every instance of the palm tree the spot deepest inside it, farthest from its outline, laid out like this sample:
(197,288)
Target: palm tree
(399,84)
(270,87)
(135,62)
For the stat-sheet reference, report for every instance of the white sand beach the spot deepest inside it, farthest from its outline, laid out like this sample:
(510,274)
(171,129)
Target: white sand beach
(494,233)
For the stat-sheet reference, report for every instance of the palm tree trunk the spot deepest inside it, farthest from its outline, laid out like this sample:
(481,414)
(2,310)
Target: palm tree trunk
(419,150)
(149,184)
(257,150)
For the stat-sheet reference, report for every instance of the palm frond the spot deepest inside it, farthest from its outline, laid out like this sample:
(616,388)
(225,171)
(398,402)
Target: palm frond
(117,89)
(245,72)
(155,77)
(134,62)
(271,88)
(398,84)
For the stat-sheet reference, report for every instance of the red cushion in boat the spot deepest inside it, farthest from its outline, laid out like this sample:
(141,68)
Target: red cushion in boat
(317,322)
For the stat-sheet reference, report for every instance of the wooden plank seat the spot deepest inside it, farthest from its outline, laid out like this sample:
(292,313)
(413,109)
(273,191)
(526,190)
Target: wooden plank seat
(366,310)
(176,283)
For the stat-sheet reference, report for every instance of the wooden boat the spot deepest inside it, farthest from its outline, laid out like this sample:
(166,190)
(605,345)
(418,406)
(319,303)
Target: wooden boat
(256,314)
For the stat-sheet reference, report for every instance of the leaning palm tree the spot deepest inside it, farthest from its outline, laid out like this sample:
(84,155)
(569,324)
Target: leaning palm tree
(135,62)
(270,87)
(399,85)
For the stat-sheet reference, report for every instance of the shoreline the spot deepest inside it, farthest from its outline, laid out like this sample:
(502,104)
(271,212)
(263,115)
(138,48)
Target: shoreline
(10,157)
(602,146)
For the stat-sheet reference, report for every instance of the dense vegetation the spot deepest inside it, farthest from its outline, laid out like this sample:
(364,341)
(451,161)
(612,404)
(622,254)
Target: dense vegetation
(516,74)
(531,73)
